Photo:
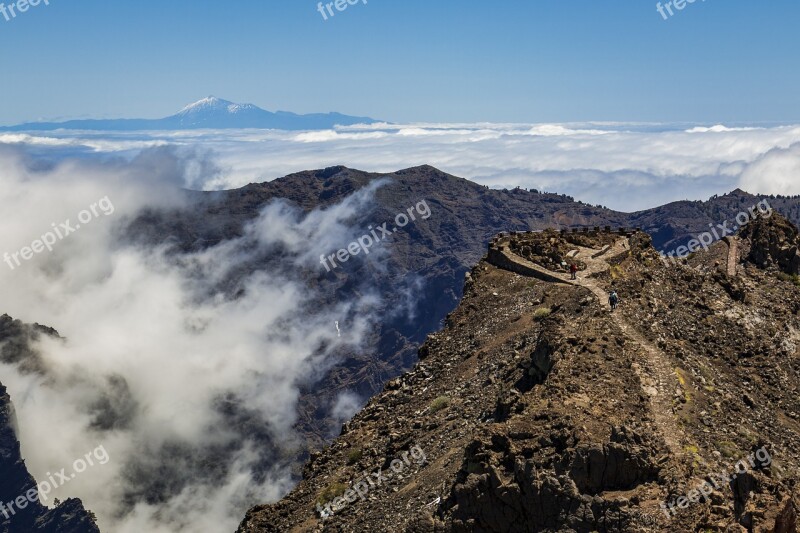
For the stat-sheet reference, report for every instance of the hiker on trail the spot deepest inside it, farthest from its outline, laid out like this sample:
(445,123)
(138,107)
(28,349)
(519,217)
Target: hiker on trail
(573,269)
(613,300)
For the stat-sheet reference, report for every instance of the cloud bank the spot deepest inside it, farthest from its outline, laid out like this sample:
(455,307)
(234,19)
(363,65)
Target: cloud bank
(628,167)
(184,366)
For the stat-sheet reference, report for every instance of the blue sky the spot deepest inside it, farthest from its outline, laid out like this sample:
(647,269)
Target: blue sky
(407,60)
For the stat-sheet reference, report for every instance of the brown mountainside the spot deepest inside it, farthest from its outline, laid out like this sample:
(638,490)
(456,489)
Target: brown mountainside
(537,408)
(428,260)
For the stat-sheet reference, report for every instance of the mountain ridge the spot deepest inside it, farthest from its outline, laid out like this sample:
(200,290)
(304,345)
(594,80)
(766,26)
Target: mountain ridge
(208,113)
(539,410)
(466,216)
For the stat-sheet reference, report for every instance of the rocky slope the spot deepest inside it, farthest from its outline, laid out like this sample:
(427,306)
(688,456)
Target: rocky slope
(429,260)
(536,408)
(68,516)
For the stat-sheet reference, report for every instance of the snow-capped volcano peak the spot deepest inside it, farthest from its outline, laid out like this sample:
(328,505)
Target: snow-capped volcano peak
(209,113)
(214,104)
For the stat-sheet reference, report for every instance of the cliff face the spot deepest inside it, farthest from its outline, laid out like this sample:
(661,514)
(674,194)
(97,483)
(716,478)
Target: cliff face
(15,480)
(537,408)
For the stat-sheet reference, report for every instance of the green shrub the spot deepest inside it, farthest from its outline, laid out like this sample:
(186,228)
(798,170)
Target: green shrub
(542,312)
(331,493)
(794,278)
(439,403)
(354,456)
(728,449)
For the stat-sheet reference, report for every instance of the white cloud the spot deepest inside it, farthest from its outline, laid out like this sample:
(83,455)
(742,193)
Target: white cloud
(775,172)
(719,128)
(194,372)
(24,138)
(624,166)
(346,406)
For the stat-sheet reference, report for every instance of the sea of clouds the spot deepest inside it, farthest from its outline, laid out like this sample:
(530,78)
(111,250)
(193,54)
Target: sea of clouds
(197,365)
(627,167)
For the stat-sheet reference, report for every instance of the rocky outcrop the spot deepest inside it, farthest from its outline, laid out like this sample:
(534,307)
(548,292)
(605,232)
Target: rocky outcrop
(786,521)
(500,256)
(773,243)
(15,480)
(500,489)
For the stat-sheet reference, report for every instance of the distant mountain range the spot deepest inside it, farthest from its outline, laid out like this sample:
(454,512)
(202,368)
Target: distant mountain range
(208,113)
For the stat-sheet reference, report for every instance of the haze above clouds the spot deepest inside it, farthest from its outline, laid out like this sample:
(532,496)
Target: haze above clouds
(627,167)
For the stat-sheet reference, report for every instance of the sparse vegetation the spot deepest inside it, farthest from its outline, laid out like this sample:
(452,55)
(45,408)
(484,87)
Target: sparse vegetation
(541,313)
(728,449)
(331,492)
(793,278)
(442,402)
(681,375)
(615,271)
(695,451)
(354,456)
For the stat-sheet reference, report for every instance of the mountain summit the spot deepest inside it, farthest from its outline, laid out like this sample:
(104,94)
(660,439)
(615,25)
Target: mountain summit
(215,105)
(208,113)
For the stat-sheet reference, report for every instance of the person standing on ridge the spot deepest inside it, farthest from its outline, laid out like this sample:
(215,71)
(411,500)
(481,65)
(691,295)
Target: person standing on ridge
(613,300)
(573,269)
